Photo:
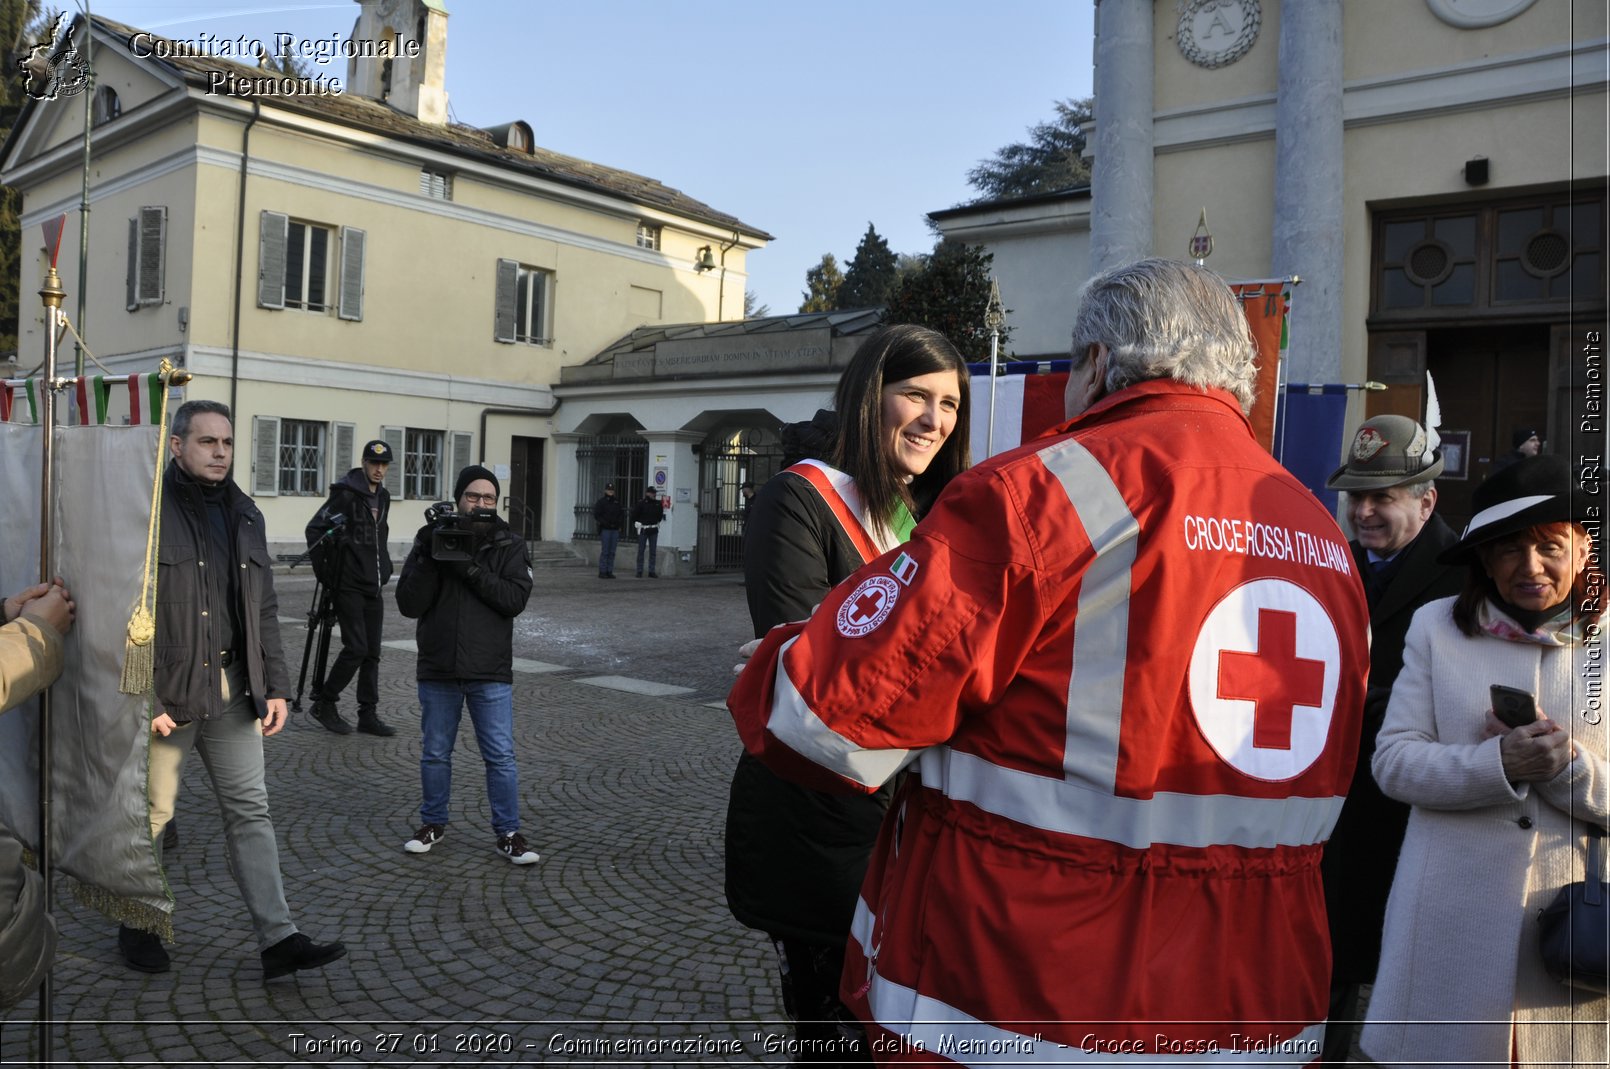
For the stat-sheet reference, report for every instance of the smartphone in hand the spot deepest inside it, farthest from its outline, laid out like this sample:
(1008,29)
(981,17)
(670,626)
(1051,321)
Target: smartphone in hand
(1516,708)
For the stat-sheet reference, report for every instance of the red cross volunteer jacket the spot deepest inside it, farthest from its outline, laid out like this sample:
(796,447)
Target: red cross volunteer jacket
(1127,662)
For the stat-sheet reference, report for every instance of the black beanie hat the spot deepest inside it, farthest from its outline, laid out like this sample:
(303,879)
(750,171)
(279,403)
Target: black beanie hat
(472,473)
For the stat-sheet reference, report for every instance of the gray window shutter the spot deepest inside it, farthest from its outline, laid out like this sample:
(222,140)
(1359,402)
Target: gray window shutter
(351,306)
(505,296)
(153,248)
(271,260)
(341,454)
(133,283)
(265,456)
(462,457)
(393,436)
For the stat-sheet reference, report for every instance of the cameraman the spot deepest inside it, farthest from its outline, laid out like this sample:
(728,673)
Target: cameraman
(466,610)
(353,564)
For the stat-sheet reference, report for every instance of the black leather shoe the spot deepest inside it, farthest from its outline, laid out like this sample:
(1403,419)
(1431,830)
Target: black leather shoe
(325,713)
(297,952)
(369,723)
(142,949)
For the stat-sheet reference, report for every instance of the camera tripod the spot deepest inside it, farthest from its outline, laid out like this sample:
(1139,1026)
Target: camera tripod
(321,615)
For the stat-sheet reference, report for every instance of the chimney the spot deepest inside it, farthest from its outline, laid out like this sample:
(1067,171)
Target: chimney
(411,73)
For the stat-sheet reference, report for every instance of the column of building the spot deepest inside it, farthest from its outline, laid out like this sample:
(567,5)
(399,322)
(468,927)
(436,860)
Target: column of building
(1307,238)
(1121,176)
(673,470)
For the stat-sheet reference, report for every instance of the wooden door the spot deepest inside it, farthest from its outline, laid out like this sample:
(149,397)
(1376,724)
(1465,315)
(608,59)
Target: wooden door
(1489,382)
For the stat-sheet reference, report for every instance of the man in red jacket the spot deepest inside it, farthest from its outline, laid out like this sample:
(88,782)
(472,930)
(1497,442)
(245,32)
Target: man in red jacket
(1126,661)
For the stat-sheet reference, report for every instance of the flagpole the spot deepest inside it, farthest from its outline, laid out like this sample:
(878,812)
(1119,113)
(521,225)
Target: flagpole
(52,294)
(83,202)
(994,317)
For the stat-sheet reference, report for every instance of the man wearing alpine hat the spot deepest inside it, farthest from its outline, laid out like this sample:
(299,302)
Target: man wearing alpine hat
(1391,497)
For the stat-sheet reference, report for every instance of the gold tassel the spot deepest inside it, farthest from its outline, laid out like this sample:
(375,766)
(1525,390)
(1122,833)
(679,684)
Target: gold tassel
(139,654)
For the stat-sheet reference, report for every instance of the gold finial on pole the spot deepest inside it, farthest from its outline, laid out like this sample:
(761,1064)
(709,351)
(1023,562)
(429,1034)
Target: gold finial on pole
(50,290)
(172,374)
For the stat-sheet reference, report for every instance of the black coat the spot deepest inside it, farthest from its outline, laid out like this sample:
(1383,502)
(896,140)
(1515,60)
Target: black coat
(188,636)
(466,610)
(795,857)
(609,513)
(1362,854)
(648,511)
(356,553)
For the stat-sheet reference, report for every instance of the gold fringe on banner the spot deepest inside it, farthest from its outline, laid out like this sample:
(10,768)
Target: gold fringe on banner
(128,911)
(139,649)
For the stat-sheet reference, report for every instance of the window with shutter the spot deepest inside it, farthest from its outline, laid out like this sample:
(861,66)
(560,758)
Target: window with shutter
(133,280)
(505,294)
(352,241)
(301,457)
(422,464)
(438,185)
(265,456)
(153,245)
(462,457)
(271,260)
(393,436)
(341,455)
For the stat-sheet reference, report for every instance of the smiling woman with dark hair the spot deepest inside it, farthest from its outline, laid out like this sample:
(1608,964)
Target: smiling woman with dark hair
(796,857)
(1502,814)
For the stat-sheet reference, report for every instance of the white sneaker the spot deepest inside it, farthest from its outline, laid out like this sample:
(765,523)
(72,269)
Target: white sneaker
(426,837)
(513,847)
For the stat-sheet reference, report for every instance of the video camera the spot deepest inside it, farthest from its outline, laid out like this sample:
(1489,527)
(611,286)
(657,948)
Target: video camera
(455,535)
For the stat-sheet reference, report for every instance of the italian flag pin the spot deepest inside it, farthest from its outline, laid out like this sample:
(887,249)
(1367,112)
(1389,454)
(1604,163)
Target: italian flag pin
(903,568)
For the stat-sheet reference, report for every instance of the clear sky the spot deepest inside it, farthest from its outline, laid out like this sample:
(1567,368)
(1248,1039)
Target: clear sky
(805,119)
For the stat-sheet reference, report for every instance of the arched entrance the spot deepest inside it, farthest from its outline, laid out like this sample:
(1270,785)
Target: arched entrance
(728,458)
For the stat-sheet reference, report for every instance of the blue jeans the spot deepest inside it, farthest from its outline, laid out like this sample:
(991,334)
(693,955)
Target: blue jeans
(441,705)
(607,541)
(648,541)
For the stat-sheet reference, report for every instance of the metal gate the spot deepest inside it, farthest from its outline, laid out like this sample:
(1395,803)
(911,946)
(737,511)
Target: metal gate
(621,459)
(728,459)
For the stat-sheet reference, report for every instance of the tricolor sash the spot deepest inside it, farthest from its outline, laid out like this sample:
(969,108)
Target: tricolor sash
(838,491)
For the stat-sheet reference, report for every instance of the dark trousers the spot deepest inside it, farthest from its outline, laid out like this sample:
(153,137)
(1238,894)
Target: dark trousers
(1342,1025)
(648,540)
(359,613)
(824,1027)
(608,539)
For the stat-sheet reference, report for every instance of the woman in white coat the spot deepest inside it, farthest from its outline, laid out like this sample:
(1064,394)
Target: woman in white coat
(1501,815)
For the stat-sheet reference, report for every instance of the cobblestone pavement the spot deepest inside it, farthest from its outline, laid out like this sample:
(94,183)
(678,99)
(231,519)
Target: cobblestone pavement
(620,933)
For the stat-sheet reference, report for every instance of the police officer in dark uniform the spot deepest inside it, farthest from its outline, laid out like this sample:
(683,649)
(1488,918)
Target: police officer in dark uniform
(354,565)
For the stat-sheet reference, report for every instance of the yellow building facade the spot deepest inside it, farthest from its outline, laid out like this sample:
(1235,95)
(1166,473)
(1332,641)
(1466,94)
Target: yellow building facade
(340,268)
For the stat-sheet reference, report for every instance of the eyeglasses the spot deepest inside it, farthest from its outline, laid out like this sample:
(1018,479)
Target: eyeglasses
(481,499)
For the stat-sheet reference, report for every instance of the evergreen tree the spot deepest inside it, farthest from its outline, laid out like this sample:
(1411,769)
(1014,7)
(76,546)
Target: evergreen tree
(753,309)
(951,295)
(1051,159)
(822,284)
(870,276)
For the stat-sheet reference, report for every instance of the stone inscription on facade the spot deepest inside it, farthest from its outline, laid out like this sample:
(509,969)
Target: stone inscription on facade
(733,356)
